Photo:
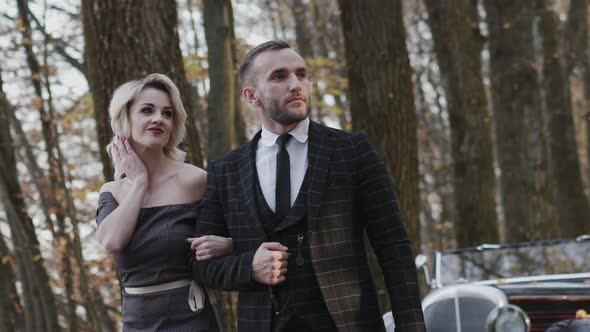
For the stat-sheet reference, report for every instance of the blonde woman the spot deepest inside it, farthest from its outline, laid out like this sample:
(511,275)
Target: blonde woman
(146,215)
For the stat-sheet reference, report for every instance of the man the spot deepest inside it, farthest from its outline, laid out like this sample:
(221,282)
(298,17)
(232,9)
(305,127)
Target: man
(296,200)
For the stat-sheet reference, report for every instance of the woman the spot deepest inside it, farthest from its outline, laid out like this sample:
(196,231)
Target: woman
(147,214)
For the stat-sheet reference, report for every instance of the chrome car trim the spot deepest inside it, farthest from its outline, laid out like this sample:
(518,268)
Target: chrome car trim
(488,246)
(437,264)
(457,314)
(549,298)
(553,277)
(480,291)
(496,246)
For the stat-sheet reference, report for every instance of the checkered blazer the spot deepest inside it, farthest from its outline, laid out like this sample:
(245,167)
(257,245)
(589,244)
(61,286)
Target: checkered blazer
(349,191)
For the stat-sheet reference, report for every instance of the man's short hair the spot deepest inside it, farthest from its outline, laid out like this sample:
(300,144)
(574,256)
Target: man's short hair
(246,74)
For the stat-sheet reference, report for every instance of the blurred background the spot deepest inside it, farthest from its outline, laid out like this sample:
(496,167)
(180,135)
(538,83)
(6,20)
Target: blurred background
(478,107)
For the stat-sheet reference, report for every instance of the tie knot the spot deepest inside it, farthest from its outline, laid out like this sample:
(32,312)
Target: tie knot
(283,140)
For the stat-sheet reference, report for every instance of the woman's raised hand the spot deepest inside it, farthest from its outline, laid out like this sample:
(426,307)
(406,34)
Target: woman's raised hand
(130,162)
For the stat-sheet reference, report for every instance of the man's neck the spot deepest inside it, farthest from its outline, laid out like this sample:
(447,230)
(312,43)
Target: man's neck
(279,129)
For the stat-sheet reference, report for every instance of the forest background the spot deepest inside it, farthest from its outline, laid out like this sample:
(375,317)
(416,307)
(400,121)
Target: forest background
(478,107)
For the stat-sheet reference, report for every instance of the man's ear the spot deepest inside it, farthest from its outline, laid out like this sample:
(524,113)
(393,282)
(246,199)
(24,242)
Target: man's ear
(250,95)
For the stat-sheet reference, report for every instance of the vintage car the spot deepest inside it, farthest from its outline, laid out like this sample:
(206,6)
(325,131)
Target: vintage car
(506,287)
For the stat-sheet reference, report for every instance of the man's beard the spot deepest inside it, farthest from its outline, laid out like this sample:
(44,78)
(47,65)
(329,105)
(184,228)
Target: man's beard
(281,115)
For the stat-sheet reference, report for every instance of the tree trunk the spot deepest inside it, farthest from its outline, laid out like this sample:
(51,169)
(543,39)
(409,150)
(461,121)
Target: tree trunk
(37,177)
(327,35)
(39,306)
(304,39)
(576,49)
(457,43)
(575,39)
(200,115)
(521,143)
(319,18)
(382,100)
(302,29)
(63,240)
(239,121)
(436,178)
(58,198)
(11,312)
(226,125)
(221,101)
(127,40)
(570,200)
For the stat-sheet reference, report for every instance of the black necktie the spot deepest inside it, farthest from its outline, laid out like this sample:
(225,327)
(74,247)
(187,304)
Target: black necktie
(283,185)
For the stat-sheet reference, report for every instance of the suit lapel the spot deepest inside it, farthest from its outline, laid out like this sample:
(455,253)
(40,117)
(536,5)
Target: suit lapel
(319,153)
(247,170)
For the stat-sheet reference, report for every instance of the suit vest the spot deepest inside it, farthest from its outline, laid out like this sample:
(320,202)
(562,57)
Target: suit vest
(298,302)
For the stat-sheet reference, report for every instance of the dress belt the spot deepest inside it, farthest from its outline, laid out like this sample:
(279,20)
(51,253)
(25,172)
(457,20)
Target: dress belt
(196,299)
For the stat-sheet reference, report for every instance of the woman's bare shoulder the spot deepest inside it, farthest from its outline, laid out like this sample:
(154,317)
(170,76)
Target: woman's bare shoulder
(192,179)
(191,174)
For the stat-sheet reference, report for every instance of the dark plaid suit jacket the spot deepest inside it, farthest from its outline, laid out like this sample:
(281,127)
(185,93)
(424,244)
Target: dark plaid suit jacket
(349,191)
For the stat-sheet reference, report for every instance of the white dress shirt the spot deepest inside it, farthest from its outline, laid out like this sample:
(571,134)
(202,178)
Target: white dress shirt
(266,161)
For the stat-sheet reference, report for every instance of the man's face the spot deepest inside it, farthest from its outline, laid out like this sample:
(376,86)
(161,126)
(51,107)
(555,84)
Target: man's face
(282,87)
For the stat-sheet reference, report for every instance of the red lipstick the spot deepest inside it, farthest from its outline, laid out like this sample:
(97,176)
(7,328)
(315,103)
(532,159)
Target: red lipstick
(155,130)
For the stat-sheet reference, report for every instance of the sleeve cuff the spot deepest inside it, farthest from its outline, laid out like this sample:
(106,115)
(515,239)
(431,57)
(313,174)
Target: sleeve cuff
(245,277)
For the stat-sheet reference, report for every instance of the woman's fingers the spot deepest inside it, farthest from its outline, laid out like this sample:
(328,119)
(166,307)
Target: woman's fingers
(115,151)
(128,147)
(124,145)
(203,255)
(195,241)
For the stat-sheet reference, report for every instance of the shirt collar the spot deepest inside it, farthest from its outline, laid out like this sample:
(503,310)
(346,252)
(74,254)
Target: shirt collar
(300,133)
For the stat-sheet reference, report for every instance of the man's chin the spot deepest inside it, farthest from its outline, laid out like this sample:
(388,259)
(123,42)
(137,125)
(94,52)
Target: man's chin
(293,119)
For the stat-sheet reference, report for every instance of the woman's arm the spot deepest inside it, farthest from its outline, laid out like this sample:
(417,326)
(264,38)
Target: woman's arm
(117,228)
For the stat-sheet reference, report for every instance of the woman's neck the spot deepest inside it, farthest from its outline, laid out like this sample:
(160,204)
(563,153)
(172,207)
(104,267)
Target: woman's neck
(155,160)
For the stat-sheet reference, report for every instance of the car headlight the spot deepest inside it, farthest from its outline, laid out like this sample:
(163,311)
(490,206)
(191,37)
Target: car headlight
(508,318)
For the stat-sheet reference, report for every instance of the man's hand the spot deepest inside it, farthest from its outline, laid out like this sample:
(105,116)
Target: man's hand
(269,265)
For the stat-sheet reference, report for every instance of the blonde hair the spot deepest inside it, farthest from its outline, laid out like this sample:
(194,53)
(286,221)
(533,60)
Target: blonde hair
(121,102)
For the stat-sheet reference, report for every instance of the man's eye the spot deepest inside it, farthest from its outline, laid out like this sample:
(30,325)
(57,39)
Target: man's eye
(168,114)
(302,75)
(278,76)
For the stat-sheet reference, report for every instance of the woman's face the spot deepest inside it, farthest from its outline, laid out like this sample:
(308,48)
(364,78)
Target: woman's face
(151,118)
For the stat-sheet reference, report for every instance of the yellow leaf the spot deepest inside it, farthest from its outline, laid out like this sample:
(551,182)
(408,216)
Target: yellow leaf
(36,76)
(20,26)
(37,103)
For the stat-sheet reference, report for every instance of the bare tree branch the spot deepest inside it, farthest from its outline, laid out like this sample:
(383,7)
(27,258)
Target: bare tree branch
(60,47)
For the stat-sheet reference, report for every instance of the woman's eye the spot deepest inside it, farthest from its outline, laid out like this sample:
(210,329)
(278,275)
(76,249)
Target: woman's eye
(146,110)
(168,114)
